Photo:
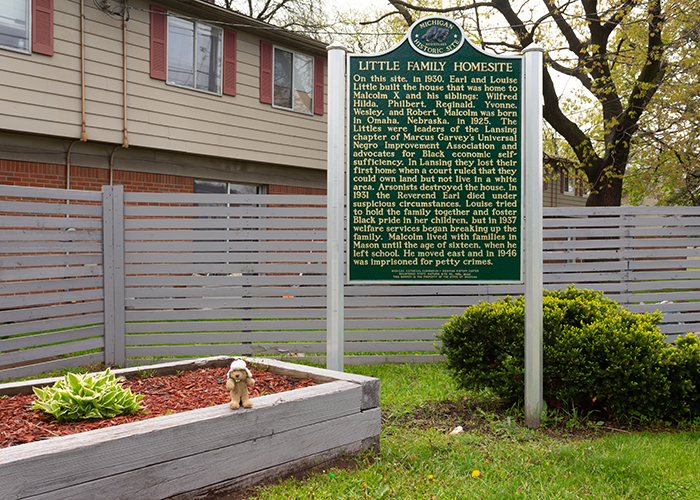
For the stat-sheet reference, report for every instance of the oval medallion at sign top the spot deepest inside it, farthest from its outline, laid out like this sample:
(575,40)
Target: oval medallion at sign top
(436,36)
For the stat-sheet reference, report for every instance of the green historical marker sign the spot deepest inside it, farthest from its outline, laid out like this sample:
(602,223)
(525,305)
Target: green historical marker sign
(434,161)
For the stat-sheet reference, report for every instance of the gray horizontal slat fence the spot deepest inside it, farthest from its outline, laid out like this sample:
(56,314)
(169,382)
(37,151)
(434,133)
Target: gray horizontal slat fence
(51,277)
(224,274)
(656,251)
(188,275)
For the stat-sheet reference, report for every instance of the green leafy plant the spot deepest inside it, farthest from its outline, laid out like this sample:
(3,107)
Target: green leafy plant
(683,367)
(597,356)
(79,397)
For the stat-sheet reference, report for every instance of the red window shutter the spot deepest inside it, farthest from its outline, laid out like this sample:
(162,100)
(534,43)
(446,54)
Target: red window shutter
(562,181)
(229,86)
(42,27)
(319,85)
(265,72)
(159,38)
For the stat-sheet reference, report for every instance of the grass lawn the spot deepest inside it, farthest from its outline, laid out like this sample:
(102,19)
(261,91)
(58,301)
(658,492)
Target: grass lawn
(496,457)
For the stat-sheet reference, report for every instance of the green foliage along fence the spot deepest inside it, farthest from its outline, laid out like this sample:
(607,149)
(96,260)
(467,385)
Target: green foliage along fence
(599,356)
(121,277)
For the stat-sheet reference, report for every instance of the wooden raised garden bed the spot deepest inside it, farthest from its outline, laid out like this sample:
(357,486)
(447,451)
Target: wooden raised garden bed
(216,449)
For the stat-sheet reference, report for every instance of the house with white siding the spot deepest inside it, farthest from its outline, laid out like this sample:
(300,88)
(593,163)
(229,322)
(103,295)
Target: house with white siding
(171,95)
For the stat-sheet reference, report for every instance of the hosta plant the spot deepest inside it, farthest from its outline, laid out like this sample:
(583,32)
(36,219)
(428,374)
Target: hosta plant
(79,397)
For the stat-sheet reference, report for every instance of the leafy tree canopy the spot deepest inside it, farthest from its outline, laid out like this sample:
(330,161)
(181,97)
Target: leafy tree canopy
(665,161)
(585,42)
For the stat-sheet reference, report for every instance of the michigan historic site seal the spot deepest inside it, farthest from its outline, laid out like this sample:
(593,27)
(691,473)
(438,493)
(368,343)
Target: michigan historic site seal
(436,36)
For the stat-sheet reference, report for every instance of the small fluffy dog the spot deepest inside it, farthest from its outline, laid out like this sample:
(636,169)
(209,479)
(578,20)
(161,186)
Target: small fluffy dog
(238,379)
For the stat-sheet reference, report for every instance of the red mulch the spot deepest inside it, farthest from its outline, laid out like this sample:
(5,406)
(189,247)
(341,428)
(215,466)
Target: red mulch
(163,394)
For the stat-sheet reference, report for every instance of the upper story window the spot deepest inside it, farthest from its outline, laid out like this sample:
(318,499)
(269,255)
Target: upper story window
(14,24)
(194,55)
(567,186)
(293,81)
(27,25)
(191,54)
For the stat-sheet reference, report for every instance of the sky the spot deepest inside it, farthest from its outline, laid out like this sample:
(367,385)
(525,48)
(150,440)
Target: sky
(356,4)
(359,5)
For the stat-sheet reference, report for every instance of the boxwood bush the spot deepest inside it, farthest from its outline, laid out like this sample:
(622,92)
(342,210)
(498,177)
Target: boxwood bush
(683,366)
(597,356)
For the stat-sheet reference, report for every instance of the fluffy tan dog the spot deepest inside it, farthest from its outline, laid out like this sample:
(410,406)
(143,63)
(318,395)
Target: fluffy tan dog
(238,379)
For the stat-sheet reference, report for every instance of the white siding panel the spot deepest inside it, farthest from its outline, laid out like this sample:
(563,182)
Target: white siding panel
(51,122)
(35,104)
(21,70)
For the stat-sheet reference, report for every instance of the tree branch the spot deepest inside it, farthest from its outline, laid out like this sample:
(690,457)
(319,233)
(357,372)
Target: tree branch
(575,45)
(518,27)
(580,143)
(653,71)
(277,7)
(262,14)
(507,45)
(619,15)
(388,14)
(420,8)
(401,9)
(576,72)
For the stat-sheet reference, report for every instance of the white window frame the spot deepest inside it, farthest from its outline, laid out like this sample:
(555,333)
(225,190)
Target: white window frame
(220,56)
(28,48)
(293,83)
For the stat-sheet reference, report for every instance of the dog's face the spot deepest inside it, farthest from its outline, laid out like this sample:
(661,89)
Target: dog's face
(237,375)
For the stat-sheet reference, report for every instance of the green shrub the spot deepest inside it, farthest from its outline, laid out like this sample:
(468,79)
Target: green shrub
(483,347)
(78,397)
(683,367)
(597,356)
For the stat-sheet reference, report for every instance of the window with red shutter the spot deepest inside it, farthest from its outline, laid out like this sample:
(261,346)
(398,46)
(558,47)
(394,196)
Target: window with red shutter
(265,72)
(319,83)
(159,34)
(229,83)
(42,27)
(291,80)
(188,53)
(15,21)
(562,181)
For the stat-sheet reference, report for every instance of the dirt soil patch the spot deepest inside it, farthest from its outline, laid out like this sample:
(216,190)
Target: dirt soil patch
(495,419)
(162,395)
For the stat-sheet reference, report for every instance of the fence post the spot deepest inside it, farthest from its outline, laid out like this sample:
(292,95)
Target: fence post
(113,272)
(335,201)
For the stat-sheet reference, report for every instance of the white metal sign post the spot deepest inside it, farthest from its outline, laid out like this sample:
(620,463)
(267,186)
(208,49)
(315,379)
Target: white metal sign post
(336,193)
(532,75)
